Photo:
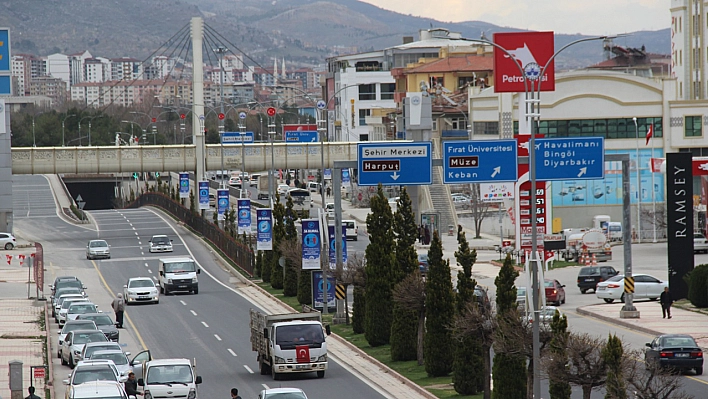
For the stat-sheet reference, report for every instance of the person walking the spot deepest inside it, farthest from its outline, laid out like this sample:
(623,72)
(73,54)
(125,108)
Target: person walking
(234,394)
(131,385)
(426,239)
(118,306)
(31,394)
(666,300)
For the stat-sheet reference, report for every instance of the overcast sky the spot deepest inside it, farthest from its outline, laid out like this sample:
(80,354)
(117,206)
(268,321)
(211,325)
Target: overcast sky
(594,17)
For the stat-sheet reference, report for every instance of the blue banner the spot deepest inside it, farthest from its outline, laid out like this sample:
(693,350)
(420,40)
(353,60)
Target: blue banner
(332,243)
(244,215)
(222,202)
(184,185)
(264,218)
(203,195)
(4,50)
(311,244)
(328,174)
(318,291)
(345,177)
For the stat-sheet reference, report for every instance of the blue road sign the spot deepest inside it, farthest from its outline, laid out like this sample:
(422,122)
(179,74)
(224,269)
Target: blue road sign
(296,136)
(395,164)
(5,85)
(242,115)
(4,50)
(581,158)
(479,161)
(203,195)
(184,185)
(235,137)
(321,104)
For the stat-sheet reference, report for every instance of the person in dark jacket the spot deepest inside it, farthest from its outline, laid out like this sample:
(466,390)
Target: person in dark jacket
(31,394)
(426,239)
(666,300)
(234,394)
(131,385)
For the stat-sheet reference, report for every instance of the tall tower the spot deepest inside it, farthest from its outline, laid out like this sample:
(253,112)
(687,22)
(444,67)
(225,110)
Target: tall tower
(688,48)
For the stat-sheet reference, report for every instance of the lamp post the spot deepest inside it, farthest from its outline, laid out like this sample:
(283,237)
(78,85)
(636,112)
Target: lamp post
(89,133)
(81,120)
(34,142)
(62,128)
(639,185)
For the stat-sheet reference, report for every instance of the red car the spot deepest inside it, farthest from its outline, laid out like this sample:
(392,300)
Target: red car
(555,292)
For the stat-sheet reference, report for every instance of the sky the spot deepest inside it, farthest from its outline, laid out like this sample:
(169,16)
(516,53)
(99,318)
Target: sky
(595,17)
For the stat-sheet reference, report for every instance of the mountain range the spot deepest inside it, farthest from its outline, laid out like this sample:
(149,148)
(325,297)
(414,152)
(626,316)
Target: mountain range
(304,32)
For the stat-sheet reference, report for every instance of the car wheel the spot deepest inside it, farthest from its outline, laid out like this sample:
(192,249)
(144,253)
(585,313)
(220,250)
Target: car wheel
(157,302)
(9,246)
(609,300)
(699,370)
(71,362)
(583,291)
(320,374)
(622,298)
(196,291)
(63,362)
(59,354)
(263,368)
(563,300)
(275,375)
(356,238)
(653,299)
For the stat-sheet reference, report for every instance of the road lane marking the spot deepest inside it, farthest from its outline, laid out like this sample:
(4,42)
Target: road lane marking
(146,265)
(193,312)
(182,302)
(132,226)
(205,324)
(232,352)
(140,243)
(248,369)
(265,386)
(149,271)
(218,338)
(136,233)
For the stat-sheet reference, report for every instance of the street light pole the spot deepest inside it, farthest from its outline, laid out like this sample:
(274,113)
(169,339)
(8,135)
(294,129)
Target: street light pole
(34,142)
(639,185)
(62,128)
(220,52)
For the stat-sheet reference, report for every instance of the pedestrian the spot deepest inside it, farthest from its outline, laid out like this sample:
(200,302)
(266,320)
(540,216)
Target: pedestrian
(666,300)
(131,386)
(234,394)
(459,231)
(421,233)
(118,306)
(31,394)
(426,240)
(329,191)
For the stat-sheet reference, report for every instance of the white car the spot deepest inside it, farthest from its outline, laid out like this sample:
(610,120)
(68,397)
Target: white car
(99,389)
(160,243)
(141,289)
(645,287)
(61,314)
(92,347)
(73,326)
(118,357)
(282,393)
(98,249)
(235,181)
(73,345)
(546,315)
(7,241)
(75,309)
(61,299)
(283,189)
(700,243)
(90,371)
(352,229)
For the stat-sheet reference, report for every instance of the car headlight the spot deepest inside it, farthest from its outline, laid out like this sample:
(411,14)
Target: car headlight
(192,393)
(322,358)
(279,360)
(194,280)
(77,352)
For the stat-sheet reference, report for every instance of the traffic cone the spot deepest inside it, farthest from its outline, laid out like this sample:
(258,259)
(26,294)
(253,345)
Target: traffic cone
(587,259)
(594,260)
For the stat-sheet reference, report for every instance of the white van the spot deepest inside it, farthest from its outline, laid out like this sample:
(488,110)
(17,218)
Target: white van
(170,378)
(329,208)
(313,187)
(178,274)
(352,229)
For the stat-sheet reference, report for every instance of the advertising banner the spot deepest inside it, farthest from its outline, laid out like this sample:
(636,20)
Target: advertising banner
(222,202)
(496,192)
(318,291)
(328,174)
(332,243)
(203,195)
(311,244)
(346,180)
(184,185)
(530,51)
(264,218)
(679,218)
(244,215)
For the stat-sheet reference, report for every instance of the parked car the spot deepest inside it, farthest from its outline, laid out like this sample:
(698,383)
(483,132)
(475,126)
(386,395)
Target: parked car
(282,393)
(7,241)
(589,276)
(118,357)
(73,326)
(329,208)
(92,347)
(96,249)
(61,314)
(66,281)
(555,292)
(99,389)
(700,243)
(212,200)
(645,286)
(160,243)
(70,351)
(93,371)
(60,301)
(423,263)
(140,289)
(79,308)
(675,351)
(104,323)
(461,202)
(545,315)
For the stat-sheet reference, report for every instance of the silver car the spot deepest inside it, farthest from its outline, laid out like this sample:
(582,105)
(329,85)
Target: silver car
(73,326)
(7,241)
(118,357)
(141,289)
(160,243)
(96,249)
(75,309)
(93,371)
(73,345)
(61,314)
(93,347)
(61,299)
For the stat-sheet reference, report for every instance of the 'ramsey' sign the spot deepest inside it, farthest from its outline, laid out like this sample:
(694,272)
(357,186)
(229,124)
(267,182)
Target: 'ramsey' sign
(679,217)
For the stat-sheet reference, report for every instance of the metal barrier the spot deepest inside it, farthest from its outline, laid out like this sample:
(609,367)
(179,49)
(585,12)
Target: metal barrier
(241,255)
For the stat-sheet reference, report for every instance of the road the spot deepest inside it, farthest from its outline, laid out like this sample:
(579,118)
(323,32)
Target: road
(211,327)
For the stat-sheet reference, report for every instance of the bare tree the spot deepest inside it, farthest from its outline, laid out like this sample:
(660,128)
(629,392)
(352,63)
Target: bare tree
(657,218)
(353,273)
(647,381)
(480,209)
(582,365)
(410,294)
(478,321)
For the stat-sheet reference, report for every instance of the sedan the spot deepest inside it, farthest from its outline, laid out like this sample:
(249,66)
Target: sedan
(80,308)
(675,351)
(7,241)
(282,393)
(140,289)
(555,292)
(61,314)
(73,326)
(93,347)
(700,243)
(93,371)
(98,249)
(60,300)
(545,315)
(160,243)
(283,189)
(104,323)
(645,287)
(70,351)
(118,357)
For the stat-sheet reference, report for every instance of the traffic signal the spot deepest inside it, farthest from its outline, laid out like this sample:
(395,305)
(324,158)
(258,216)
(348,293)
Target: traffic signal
(136,175)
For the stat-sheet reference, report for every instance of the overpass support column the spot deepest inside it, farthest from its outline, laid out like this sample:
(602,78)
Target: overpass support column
(197,27)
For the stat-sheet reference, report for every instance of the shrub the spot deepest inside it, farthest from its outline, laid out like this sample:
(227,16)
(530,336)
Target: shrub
(698,286)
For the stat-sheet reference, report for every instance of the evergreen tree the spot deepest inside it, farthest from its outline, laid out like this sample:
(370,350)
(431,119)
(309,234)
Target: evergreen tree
(266,264)
(379,271)
(403,327)
(359,309)
(468,363)
(509,371)
(440,311)
(612,354)
(276,272)
(259,264)
(290,282)
(558,388)
(304,287)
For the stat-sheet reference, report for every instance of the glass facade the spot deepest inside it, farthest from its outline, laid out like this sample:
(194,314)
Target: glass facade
(693,126)
(609,128)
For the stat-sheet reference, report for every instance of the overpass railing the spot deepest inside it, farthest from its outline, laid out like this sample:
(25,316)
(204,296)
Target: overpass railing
(238,253)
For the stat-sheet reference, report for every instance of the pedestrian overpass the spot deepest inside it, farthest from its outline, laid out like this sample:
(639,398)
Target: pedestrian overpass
(179,158)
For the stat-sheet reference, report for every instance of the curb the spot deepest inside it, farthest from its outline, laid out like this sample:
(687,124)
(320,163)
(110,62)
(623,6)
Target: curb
(50,352)
(585,312)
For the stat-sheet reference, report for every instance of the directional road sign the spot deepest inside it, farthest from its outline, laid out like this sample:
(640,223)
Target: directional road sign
(235,137)
(395,164)
(80,202)
(321,104)
(479,161)
(296,136)
(581,158)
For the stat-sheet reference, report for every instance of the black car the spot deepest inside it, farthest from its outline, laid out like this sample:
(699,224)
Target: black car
(589,276)
(103,323)
(675,351)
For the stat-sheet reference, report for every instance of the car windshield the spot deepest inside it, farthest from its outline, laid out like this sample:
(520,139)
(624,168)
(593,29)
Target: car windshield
(98,244)
(285,395)
(141,284)
(82,308)
(548,283)
(118,358)
(84,338)
(170,374)
(63,299)
(67,291)
(101,320)
(423,258)
(179,267)
(68,283)
(93,374)
(67,303)
(677,342)
(588,271)
(348,224)
(615,278)
(299,334)
(160,240)
(68,327)
(92,349)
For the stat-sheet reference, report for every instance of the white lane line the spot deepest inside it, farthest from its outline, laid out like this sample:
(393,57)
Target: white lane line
(149,271)
(136,233)
(140,243)
(127,220)
(205,324)
(248,369)
(155,278)
(132,226)
(146,265)
(182,302)
(218,338)
(193,312)
(265,386)
(232,352)
(142,253)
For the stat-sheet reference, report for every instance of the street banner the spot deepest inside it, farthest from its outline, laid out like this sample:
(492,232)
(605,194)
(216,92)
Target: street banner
(203,195)
(332,248)
(244,215)
(318,291)
(264,218)
(345,177)
(496,192)
(328,174)
(311,244)
(222,202)
(527,52)
(184,185)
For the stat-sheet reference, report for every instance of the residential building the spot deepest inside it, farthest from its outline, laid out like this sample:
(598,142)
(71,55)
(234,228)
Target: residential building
(76,67)
(48,86)
(59,66)
(125,68)
(20,70)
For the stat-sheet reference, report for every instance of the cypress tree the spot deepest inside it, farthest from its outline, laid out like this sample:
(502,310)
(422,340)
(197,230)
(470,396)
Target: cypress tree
(405,322)
(290,282)
(267,260)
(509,371)
(359,309)
(259,264)
(440,310)
(558,388)
(468,363)
(276,272)
(612,354)
(379,271)
(304,287)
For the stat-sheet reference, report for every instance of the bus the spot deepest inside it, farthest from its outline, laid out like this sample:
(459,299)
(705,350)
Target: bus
(302,202)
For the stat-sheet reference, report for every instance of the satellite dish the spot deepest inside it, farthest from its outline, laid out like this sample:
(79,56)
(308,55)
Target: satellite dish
(281,261)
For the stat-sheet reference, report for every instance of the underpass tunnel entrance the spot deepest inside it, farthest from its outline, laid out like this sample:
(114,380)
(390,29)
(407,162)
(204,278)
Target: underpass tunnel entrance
(96,195)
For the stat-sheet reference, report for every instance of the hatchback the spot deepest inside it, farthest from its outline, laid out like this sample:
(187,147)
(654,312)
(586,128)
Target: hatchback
(645,287)
(160,243)
(589,276)
(73,326)
(140,289)
(73,345)
(555,292)
(674,351)
(7,241)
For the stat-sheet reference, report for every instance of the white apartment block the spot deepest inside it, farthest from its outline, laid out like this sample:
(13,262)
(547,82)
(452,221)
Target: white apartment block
(20,70)
(125,68)
(58,66)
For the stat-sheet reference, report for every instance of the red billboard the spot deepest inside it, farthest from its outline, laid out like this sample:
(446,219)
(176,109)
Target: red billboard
(530,51)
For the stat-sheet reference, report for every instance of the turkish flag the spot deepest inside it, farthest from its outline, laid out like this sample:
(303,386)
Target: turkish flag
(650,133)
(303,353)
(548,255)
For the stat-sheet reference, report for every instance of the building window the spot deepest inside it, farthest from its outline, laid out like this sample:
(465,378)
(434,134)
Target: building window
(459,123)
(693,126)
(491,128)
(387,90)
(367,92)
(363,113)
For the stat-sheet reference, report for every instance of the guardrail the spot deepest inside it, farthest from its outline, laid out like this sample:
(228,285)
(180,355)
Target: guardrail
(240,254)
